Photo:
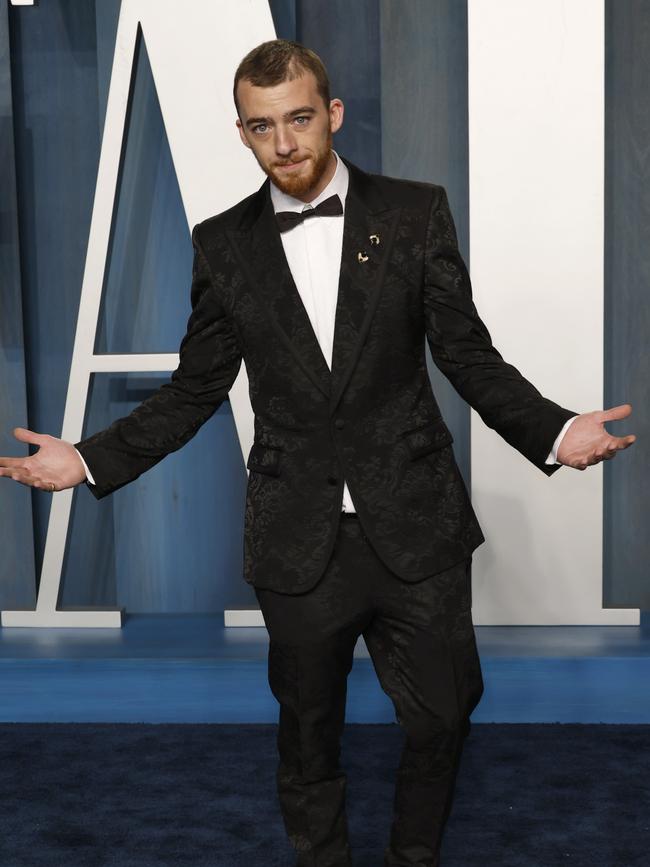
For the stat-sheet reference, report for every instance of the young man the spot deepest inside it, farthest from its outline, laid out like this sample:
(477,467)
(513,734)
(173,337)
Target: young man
(327,281)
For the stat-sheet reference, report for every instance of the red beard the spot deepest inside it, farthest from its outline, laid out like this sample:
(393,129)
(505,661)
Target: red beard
(308,178)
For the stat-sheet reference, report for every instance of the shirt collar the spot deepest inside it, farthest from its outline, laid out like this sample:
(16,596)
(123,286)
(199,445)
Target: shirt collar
(337,186)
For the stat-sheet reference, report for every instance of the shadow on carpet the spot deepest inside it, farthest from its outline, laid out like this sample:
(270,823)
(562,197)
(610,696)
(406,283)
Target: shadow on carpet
(91,795)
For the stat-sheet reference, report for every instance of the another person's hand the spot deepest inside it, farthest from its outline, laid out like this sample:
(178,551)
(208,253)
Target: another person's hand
(586,442)
(55,466)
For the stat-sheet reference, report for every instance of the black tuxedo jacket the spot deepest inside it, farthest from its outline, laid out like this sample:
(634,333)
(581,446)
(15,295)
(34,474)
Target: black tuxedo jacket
(373,420)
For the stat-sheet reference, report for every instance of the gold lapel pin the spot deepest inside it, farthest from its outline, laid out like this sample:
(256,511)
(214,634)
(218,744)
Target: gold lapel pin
(374,240)
(362,257)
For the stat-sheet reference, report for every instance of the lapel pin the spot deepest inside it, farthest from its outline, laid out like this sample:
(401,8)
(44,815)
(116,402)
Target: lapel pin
(362,257)
(374,240)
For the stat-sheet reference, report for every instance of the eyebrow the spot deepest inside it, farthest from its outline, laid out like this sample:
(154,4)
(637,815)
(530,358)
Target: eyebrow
(304,109)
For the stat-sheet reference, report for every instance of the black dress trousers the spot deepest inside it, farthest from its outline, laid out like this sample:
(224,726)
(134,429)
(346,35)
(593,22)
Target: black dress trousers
(421,640)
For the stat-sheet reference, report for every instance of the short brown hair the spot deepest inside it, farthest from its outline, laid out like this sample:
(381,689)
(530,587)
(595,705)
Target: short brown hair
(281,60)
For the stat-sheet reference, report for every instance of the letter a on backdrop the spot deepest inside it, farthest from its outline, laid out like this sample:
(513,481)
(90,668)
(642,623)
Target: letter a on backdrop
(194,49)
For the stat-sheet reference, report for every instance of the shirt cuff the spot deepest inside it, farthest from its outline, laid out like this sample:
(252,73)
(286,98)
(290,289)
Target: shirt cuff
(89,476)
(552,456)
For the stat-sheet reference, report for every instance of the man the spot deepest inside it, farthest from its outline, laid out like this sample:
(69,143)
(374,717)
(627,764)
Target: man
(326,282)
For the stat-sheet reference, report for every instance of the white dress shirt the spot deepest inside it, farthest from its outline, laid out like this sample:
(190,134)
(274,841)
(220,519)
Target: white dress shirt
(313,250)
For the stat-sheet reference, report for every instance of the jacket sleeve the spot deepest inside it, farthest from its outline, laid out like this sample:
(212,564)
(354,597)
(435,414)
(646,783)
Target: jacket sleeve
(461,347)
(210,357)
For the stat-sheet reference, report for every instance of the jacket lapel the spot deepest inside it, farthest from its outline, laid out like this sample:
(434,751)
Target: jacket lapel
(368,235)
(261,256)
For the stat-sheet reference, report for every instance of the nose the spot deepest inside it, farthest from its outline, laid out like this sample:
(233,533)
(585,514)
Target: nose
(285,143)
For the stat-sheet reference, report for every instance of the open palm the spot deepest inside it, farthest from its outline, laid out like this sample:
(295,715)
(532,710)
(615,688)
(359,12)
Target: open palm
(587,442)
(55,466)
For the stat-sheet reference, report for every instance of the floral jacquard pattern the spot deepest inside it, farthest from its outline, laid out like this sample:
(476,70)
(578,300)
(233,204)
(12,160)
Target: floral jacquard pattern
(372,420)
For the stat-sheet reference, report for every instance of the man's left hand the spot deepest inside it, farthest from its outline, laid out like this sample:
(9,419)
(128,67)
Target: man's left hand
(586,442)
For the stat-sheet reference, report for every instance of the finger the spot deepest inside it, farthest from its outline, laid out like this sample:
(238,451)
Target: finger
(34,482)
(11,462)
(28,436)
(24,478)
(616,412)
(623,442)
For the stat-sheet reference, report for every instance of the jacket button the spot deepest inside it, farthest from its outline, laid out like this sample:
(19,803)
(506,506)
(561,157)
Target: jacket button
(332,480)
(339,423)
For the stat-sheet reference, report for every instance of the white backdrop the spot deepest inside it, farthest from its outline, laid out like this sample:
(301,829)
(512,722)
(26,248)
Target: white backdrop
(536,126)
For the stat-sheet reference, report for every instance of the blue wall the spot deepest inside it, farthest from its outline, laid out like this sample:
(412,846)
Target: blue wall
(627,298)
(17,560)
(172,541)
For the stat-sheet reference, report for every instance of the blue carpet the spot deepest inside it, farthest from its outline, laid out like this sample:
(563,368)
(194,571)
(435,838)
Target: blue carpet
(203,796)
(191,669)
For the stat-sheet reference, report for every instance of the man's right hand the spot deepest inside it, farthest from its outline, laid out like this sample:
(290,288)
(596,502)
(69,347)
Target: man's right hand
(55,466)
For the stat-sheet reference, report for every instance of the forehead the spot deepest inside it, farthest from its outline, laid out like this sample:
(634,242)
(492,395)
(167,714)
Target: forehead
(279,98)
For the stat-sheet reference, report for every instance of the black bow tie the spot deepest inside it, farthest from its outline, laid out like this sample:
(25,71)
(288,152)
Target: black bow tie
(331,207)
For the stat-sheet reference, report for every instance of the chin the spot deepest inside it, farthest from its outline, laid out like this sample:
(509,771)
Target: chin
(297,185)
(308,177)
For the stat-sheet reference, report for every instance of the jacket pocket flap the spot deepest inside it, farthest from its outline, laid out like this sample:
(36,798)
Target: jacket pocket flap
(428,438)
(264,459)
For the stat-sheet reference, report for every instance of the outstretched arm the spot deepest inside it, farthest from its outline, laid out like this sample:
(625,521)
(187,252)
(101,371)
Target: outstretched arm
(462,349)
(210,358)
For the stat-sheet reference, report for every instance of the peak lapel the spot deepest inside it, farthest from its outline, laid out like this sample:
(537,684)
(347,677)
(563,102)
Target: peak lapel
(368,235)
(262,258)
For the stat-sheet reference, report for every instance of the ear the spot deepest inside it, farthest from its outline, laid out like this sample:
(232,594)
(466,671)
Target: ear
(336,114)
(242,134)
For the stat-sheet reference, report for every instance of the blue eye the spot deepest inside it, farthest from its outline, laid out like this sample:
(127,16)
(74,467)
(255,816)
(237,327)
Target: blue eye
(260,128)
(301,120)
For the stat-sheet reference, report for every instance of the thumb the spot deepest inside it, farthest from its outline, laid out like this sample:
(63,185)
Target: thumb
(28,436)
(616,412)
